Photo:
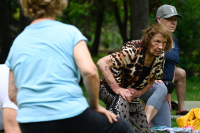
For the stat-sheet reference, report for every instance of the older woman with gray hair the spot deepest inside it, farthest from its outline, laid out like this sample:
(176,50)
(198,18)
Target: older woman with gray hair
(131,72)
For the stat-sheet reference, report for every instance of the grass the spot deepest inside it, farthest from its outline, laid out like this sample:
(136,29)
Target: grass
(173,123)
(192,90)
(192,94)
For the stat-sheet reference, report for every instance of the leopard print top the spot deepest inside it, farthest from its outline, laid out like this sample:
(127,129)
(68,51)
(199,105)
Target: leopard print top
(128,63)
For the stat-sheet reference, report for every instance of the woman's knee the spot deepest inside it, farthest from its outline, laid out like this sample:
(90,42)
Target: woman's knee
(161,89)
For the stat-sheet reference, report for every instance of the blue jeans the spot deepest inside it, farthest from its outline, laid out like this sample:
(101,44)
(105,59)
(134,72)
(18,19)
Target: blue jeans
(155,97)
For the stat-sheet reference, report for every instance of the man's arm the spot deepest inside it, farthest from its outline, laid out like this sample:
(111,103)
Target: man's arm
(12,90)
(9,121)
(174,74)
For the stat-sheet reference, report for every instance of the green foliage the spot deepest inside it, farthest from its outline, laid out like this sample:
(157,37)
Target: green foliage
(16,15)
(83,14)
(187,36)
(110,37)
(192,90)
(77,9)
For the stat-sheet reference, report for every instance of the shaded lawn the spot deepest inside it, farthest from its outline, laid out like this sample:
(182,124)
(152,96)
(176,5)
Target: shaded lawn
(192,91)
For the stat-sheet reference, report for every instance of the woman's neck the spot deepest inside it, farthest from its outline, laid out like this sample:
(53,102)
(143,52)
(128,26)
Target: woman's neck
(42,19)
(149,58)
(148,54)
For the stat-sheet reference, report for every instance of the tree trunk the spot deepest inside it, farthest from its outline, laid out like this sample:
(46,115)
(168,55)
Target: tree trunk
(86,22)
(5,42)
(139,17)
(122,25)
(95,46)
(125,20)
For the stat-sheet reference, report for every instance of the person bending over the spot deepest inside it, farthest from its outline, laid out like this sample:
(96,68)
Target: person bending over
(130,72)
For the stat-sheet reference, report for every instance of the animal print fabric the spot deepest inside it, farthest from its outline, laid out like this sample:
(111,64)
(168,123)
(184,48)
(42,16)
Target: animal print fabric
(128,63)
(133,113)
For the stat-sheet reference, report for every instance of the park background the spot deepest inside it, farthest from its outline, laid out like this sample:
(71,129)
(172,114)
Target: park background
(109,23)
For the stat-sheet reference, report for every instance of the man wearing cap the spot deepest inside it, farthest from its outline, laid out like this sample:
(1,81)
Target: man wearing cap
(167,15)
(160,114)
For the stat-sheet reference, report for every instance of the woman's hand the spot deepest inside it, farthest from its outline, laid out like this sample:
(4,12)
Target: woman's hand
(158,81)
(134,93)
(125,93)
(168,98)
(111,117)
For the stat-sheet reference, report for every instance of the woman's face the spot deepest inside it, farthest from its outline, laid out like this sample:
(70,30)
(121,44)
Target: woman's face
(157,45)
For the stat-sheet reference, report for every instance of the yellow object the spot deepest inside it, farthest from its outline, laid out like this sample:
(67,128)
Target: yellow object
(192,118)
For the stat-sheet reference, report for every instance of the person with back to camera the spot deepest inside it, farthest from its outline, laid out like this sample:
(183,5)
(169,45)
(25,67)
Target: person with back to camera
(8,110)
(46,60)
(167,16)
(130,72)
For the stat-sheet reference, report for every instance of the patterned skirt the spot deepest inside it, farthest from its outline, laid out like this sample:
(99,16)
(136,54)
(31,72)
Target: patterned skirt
(133,112)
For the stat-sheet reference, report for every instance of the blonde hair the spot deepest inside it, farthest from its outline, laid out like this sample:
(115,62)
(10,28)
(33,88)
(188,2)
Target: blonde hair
(35,9)
(150,32)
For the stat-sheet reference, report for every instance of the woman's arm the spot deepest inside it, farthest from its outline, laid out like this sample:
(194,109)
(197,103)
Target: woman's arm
(88,71)
(104,64)
(12,90)
(90,78)
(9,121)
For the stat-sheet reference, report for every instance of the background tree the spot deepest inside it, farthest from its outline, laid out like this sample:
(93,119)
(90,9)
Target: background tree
(122,25)
(99,21)
(188,35)
(108,24)
(4,31)
(139,17)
